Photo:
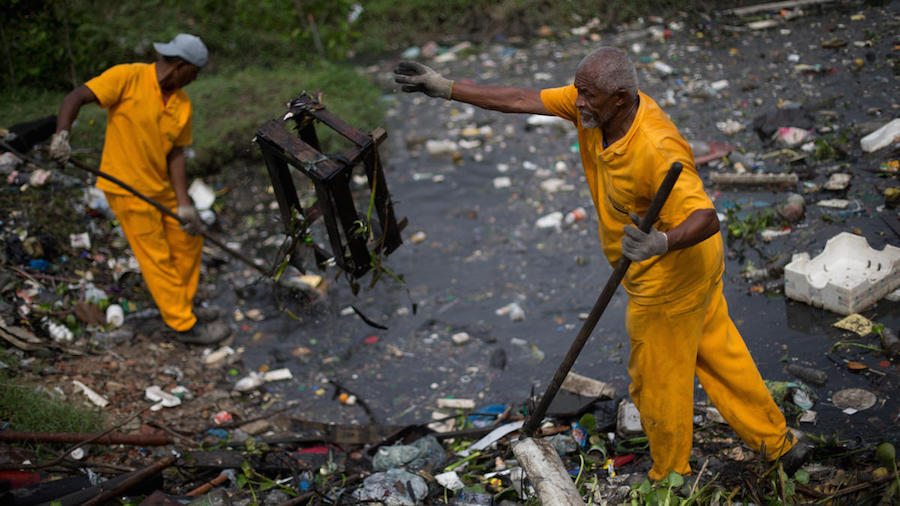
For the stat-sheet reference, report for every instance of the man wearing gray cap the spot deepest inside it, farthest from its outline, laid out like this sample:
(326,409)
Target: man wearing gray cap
(148,127)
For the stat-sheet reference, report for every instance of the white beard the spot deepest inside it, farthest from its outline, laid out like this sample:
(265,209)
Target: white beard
(588,120)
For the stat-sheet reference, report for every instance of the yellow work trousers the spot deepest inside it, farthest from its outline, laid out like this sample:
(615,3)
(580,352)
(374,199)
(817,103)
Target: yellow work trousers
(670,344)
(169,257)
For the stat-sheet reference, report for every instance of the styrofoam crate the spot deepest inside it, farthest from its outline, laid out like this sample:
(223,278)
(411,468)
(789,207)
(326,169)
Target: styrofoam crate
(847,277)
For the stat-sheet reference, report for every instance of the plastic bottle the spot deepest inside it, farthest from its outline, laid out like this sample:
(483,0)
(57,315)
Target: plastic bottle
(882,137)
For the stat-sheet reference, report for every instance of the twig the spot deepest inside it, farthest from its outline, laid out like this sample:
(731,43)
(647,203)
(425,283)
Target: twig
(186,440)
(857,488)
(699,475)
(135,479)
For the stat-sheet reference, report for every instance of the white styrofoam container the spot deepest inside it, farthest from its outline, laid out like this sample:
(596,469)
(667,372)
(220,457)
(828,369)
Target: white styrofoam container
(847,277)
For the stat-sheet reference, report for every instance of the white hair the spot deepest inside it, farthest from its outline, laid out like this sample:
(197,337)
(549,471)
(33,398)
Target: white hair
(610,70)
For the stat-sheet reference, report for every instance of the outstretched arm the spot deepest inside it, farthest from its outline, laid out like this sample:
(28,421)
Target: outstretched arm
(416,77)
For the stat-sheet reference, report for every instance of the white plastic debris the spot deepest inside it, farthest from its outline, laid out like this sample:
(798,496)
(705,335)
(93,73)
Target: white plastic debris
(440,147)
(552,220)
(513,310)
(628,420)
(792,136)
(160,398)
(460,338)
(535,120)
(202,195)
(502,182)
(94,397)
(211,357)
(834,203)
(729,126)
(255,380)
(847,277)
(492,437)
(277,375)
(250,382)
(115,315)
(663,68)
(448,403)
(450,480)
(58,331)
(838,181)
(80,241)
(587,387)
(553,185)
(883,137)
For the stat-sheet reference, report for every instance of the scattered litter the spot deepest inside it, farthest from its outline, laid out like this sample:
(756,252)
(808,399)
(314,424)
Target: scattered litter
(730,126)
(450,480)
(882,137)
(418,238)
(852,400)
(552,220)
(587,387)
(255,380)
(492,437)
(502,182)
(395,487)
(792,136)
(440,147)
(94,397)
(80,241)
(856,323)
(807,374)
(837,181)
(575,215)
(536,120)
(513,310)
(115,315)
(460,338)
(448,403)
(58,331)
(161,399)
(847,277)
(203,196)
(628,420)
(213,357)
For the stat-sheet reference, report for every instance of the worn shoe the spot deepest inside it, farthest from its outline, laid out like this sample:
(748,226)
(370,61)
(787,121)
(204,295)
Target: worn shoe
(204,333)
(207,314)
(794,459)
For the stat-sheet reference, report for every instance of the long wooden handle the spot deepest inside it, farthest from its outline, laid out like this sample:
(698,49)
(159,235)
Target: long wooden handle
(535,417)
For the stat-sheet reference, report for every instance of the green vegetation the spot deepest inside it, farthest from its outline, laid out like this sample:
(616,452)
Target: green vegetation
(27,408)
(229,107)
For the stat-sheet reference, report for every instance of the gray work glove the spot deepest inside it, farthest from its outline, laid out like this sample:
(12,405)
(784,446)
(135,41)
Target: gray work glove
(417,77)
(190,219)
(59,147)
(638,246)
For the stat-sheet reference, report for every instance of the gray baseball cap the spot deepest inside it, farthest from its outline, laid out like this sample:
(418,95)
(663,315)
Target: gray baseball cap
(185,46)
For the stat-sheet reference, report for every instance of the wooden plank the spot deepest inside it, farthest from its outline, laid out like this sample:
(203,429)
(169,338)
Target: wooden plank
(774,6)
(547,473)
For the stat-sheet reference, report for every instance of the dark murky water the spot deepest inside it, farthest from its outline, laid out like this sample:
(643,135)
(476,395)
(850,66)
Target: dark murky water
(483,250)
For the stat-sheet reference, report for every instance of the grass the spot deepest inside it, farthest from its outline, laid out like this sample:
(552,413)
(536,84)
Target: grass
(28,409)
(228,107)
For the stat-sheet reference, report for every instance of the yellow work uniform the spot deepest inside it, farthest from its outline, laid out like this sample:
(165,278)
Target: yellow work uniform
(142,128)
(677,318)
